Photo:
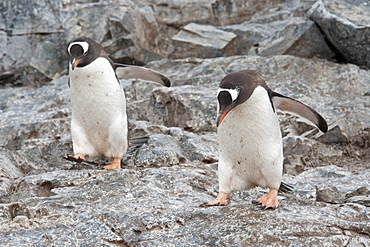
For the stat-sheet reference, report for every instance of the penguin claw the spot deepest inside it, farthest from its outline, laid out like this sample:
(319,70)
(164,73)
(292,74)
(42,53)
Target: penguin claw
(210,204)
(268,201)
(77,159)
(115,164)
(221,200)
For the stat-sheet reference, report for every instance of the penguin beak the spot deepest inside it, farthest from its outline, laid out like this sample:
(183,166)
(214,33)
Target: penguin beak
(222,115)
(75,63)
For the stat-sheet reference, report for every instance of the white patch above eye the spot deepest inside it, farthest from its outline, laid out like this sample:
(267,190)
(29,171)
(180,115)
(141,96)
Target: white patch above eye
(234,92)
(83,44)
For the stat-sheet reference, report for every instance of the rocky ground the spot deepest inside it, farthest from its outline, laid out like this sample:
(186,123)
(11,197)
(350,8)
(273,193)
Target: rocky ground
(154,199)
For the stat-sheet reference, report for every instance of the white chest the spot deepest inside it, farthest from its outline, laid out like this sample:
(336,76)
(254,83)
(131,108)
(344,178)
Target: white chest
(95,90)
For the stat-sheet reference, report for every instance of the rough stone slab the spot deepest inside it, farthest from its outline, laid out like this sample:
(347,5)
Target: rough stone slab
(184,106)
(293,36)
(203,41)
(160,206)
(346,25)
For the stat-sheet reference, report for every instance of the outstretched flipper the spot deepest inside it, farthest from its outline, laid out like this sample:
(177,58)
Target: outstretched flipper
(287,104)
(136,72)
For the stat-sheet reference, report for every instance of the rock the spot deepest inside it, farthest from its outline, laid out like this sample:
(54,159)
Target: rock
(299,37)
(176,13)
(29,27)
(150,206)
(342,130)
(160,150)
(330,195)
(335,185)
(203,41)
(49,59)
(346,25)
(282,11)
(363,200)
(184,106)
(281,29)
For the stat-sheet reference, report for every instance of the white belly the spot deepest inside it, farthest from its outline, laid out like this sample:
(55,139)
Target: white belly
(250,146)
(99,122)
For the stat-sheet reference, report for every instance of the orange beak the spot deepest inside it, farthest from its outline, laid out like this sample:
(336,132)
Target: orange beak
(221,117)
(75,63)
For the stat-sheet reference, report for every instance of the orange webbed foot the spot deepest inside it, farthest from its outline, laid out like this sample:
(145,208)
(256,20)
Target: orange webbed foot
(221,200)
(116,163)
(76,158)
(269,201)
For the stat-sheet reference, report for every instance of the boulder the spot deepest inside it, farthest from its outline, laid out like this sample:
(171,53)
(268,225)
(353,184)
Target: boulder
(346,26)
(203,41)
(294,36)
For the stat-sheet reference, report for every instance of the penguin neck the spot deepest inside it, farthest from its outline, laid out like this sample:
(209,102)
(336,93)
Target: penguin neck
(98,71)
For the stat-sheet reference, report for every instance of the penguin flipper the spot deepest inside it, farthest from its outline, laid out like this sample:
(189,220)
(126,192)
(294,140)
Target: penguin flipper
(136,72)
(287,104)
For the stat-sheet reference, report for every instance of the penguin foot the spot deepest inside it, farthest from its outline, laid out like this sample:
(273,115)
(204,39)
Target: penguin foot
(76,158)
(268,201)
(116,163)
(221,200)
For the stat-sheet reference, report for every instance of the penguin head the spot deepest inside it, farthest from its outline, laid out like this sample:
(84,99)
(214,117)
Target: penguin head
(235,89)
(83,51)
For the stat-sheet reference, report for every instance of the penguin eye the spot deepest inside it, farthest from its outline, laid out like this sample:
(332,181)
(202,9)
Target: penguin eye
(233,92)
(80,48)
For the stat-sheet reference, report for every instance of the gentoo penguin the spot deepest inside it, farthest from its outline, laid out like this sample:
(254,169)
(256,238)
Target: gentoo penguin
(99,120)
(250,141)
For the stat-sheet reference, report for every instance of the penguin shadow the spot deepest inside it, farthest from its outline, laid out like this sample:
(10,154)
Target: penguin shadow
(81,164)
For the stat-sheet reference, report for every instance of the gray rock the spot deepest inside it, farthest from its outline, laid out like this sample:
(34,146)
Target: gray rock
(159,206)
(184,106)
(282,11)
(160,150)
(330,195)
(203,41)
(341,130)
(207,12)
(363,200)
(335,185)
(26,24)
(281,29)
(299,37)
(346,25)
(49,59)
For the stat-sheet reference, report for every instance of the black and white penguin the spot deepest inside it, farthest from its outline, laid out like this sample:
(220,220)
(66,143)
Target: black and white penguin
(250,141)
(99,121)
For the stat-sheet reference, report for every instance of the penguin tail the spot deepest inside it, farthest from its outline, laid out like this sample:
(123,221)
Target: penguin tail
(137,142)
(285,188)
